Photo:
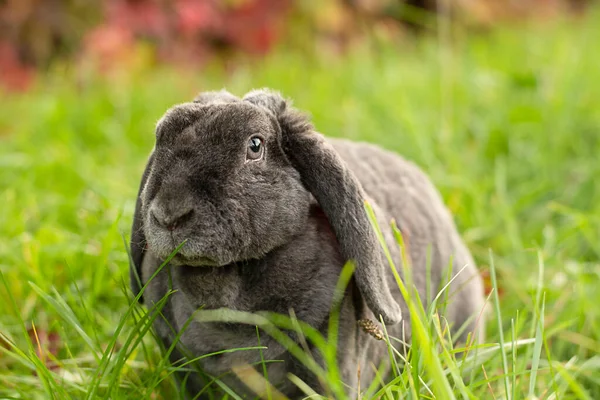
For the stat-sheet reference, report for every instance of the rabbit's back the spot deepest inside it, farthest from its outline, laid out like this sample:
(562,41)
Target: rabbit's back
(399,188)
(401,191)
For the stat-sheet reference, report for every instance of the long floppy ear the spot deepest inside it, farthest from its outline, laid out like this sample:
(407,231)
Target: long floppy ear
(341,197)
(138,239)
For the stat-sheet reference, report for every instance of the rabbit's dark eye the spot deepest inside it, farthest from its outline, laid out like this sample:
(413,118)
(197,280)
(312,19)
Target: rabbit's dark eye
(255,148)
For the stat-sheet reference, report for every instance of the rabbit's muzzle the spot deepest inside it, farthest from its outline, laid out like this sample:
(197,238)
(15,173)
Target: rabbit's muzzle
(171,219)
(173,224)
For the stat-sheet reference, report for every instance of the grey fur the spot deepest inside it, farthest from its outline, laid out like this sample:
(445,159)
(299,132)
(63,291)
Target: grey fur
(273,235)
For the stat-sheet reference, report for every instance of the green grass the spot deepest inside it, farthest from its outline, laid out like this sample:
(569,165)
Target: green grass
(507,124)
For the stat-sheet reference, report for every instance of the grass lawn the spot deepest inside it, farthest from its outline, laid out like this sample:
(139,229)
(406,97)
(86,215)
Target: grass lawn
(507,124)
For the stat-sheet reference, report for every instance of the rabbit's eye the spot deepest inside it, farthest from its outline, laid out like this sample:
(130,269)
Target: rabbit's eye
(255,148)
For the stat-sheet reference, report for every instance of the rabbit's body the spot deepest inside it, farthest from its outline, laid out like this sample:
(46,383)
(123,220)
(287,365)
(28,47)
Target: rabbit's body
(402,192)
(298,269)
(251,286)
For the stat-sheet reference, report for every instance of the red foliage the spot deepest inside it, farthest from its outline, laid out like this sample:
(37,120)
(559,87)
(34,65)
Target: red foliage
(254,25)
(33,33)
(188,29)
(145,18)
(107,45)
(195,17)
(13,73)
(107,31)
(488,286)
(47,345)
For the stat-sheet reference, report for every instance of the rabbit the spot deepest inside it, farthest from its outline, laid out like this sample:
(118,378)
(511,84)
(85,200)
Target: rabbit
(269,211)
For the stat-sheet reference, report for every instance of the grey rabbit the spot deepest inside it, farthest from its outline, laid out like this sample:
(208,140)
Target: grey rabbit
(269,211)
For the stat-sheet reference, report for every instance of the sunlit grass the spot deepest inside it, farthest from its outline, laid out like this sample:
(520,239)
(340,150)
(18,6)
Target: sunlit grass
(509,131)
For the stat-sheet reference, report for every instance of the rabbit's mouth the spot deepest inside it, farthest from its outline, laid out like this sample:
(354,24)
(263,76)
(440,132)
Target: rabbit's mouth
(191,252)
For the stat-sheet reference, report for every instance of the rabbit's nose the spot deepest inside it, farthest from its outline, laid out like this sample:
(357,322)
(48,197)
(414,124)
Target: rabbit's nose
(173,218)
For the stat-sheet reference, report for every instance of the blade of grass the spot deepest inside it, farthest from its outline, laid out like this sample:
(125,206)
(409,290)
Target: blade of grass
(500,326)
(537,348)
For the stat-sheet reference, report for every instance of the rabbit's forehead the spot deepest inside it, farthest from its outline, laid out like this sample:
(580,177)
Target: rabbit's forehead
(233,119)
(216,123)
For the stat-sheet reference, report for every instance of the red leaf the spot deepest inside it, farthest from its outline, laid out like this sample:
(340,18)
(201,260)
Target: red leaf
(14,75)
(487,284)
(138,17)
(197,16)
(108,45)
(47,345)
(255,24)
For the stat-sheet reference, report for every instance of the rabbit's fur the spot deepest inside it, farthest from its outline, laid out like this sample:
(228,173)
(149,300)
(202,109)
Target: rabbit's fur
(273,234)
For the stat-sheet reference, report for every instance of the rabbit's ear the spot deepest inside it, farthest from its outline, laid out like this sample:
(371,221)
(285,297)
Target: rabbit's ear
(267,99)
(138,239)
(216,97)
(341,197)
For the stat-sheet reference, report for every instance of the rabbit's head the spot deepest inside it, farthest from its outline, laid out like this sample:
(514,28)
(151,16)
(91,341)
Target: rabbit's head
(220,182)
(231,179)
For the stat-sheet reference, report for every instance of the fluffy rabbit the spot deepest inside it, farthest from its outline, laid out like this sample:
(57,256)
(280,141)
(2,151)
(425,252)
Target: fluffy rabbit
(270,211)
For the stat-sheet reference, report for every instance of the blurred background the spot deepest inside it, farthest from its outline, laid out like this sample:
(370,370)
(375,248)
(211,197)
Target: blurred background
(497,100)
(37,34)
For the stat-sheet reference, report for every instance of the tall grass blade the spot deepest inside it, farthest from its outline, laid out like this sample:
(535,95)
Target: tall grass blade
(500,326)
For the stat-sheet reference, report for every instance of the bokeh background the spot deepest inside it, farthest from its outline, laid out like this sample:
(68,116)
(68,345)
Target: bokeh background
(37,34)
(497,100)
